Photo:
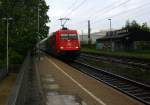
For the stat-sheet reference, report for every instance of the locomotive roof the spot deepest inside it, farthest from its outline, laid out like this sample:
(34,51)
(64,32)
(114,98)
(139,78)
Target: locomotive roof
(67,30)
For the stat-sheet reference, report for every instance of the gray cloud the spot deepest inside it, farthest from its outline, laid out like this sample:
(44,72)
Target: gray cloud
(98,11)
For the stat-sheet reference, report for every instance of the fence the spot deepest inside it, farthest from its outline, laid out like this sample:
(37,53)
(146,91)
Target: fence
(20,93)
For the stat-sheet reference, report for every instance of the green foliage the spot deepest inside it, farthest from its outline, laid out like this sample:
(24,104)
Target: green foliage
(15,57)
(145,27)
(134,24)
(1,62)
(23,28)
(129,54)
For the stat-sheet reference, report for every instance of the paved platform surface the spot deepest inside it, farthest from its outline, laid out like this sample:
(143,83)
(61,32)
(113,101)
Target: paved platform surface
(53,96)
(62,100)
(64,85)
(6,86)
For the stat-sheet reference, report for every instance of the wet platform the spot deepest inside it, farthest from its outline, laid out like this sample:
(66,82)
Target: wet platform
(64,85)
(6,86)
(53,94)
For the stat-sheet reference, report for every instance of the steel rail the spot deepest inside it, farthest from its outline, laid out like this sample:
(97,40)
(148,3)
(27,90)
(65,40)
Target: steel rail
(126,61)
(137,90)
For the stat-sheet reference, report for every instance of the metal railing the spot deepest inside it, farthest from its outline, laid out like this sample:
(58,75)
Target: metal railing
(20,92)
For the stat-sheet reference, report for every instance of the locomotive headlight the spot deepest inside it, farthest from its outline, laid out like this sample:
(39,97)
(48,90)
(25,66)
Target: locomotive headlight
(61,47)
(77,47)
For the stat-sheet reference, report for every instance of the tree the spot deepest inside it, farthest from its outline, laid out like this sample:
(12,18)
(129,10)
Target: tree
(135,25)
(23,29)
(145,27)
(127,25)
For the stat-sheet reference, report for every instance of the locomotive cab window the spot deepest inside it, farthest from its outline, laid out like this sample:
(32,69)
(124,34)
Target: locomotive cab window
(64,36)
(68,36)
(73,36)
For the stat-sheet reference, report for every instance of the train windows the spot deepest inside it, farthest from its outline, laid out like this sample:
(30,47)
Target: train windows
(64,36)
(73,36)
(68,36)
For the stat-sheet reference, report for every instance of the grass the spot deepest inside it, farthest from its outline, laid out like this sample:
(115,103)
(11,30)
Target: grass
(130,54)
(137,74)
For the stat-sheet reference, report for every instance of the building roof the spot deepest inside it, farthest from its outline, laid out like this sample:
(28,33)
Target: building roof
(126,34)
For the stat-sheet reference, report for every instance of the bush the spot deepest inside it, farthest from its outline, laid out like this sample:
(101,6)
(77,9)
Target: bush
(1,62)
(15,57)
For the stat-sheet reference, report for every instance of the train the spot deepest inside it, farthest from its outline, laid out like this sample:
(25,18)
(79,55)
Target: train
(62,43)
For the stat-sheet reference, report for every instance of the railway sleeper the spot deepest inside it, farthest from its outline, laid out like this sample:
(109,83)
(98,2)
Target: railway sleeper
(146,98)
(113,81)
(135,91)
(128,88)
(119,84)
(142,94)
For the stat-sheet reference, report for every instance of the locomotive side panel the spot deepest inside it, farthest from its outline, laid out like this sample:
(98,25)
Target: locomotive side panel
(51,43)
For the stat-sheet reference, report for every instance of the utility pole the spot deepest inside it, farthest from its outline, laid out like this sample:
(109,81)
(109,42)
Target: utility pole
(38,17)
(89,32)
(7,44)
(38,29)
(112,43)
(110,24)
(81,36)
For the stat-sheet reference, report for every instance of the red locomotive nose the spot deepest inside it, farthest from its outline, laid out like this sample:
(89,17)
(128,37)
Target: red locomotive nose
(63,43)
(69,44)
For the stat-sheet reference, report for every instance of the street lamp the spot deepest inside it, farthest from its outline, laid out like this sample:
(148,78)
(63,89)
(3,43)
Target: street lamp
(38,29)
(7,19)
(110,24)
(112,44)
(38,20)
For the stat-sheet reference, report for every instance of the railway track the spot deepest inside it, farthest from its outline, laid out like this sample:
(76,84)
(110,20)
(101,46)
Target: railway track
(136,63)
(139,91)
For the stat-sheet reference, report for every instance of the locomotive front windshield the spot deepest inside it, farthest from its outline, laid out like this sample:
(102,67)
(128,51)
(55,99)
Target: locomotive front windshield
(68,36)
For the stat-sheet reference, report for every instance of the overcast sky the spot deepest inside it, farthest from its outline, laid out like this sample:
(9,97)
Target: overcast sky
(98,11)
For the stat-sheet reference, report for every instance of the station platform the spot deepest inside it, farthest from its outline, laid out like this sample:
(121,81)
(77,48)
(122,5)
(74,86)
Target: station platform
(53,94)
(52,89)
(6,85)
(62,84)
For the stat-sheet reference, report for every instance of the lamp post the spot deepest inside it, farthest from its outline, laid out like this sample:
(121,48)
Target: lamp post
(82,36)
(38,29)
(112,43)
(7,26)
(110,24)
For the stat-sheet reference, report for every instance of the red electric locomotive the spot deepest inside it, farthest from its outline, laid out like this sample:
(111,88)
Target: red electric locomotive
(64,43)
